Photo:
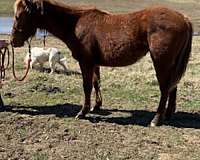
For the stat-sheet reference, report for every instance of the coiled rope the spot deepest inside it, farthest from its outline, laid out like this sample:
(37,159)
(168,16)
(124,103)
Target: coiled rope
(4,52)
(28,64)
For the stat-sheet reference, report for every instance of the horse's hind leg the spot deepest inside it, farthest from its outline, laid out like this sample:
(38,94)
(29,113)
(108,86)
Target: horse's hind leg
(96,84)
(163,75)
(158,118)
(171,103)
(162,69)
(87,73)
(163,56)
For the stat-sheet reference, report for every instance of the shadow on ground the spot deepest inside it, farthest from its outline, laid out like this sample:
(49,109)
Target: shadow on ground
(143,118)
(132,117)
(68,72)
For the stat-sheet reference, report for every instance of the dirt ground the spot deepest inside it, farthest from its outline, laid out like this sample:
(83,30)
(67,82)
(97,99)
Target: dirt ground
(39,124)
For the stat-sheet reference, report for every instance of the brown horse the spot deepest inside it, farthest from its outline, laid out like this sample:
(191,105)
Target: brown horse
(98,38)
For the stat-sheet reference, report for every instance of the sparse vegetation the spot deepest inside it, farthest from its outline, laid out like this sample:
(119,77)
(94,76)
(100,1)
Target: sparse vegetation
(39,121)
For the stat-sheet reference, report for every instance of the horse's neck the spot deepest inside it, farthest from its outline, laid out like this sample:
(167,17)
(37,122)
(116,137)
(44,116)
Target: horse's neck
(59,21)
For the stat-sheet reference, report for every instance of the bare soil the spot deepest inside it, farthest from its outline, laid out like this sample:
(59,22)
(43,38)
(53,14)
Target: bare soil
(39,124)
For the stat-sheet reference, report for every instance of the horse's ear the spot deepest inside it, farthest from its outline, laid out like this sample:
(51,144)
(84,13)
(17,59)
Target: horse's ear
(28,5)
(39,6)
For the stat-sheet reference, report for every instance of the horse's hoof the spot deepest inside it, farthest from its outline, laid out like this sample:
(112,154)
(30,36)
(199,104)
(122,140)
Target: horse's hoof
(95,109)
(154,124)
(80,115)
(157,121)
(83,112)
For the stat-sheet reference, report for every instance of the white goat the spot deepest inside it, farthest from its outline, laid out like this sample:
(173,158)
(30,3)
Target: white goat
(51,55)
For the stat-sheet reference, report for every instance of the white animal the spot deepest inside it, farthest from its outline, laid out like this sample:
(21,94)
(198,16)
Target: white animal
(51,55)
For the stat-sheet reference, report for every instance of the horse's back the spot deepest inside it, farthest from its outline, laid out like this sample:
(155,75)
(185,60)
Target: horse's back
(112,38)
(122,39)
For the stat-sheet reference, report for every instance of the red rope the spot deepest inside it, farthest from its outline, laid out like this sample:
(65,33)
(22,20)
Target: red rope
(13,65)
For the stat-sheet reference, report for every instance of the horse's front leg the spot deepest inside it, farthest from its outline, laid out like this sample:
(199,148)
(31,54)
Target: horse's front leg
(96,84)
(87,73)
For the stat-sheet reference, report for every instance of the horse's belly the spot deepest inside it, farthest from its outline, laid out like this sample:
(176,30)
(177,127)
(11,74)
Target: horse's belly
(121,49)
(121,58)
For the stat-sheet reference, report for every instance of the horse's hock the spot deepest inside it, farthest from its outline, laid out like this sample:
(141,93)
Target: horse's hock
(3,50)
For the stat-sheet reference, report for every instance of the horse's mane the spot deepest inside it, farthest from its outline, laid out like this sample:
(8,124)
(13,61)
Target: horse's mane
(72,8)
(61,5)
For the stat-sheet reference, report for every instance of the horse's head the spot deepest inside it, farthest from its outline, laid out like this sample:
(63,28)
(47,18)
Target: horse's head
(24,25)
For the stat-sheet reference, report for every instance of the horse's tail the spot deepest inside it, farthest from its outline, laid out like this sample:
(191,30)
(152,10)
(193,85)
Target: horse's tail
(183,57)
